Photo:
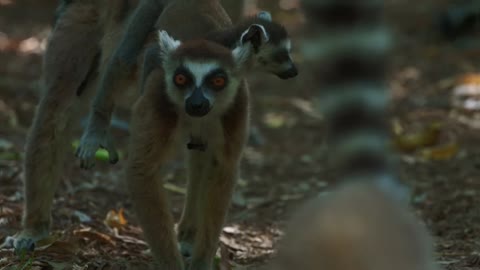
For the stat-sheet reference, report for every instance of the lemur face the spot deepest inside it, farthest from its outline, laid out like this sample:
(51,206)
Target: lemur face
(272,47)
(201,77)
(276,59)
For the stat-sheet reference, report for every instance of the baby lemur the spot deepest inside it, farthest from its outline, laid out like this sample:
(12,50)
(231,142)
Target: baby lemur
(198,98)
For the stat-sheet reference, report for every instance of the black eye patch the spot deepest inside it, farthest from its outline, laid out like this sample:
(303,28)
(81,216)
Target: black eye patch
(216,79)
(281,56)
(182,77)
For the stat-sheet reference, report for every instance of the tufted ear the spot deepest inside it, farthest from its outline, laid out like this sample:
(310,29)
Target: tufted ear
(265,15)
(167,44)
(256,34)
(241,54)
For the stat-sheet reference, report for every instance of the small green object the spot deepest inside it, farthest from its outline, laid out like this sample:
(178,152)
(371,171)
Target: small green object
(101,154)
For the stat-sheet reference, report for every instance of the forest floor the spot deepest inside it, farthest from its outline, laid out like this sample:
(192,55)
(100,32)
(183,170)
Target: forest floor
(278,174)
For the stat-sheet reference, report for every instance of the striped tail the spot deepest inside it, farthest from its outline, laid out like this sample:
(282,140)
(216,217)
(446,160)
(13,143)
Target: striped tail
(351,50)
(360,225)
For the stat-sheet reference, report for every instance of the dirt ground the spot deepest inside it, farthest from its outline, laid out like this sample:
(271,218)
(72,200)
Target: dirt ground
(282,170)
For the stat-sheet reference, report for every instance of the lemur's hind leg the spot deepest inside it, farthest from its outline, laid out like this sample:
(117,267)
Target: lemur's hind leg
(70,57)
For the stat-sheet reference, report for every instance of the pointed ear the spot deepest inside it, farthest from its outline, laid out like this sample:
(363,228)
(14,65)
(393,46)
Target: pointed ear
(167,44)
(241,54)
(265,15)
(256,34)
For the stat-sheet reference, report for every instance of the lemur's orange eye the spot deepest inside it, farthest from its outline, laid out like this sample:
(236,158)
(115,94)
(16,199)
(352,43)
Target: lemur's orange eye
(180,79)
(218,82)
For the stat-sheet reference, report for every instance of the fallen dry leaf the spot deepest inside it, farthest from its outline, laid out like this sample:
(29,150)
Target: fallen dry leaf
(442,152)
(470,78)
(89,233)
(409,142)
(274,120)
(306,107)
(128,239)
(115,219)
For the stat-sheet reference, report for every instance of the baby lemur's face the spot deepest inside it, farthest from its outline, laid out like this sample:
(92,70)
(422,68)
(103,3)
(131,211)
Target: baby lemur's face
(272,46)
(276,59)
(201,77)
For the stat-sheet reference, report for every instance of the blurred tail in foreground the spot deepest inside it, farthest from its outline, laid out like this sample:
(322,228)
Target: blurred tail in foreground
(356,227)
(364,224)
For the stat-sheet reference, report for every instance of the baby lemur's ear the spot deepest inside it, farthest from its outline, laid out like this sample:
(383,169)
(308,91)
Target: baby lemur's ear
(256,35)
(167,44)
(241,54)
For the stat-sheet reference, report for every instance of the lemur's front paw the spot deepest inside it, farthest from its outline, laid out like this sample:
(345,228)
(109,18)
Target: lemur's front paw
(23,242)
(186,237)
(23,245)
(90,143)
(186,249)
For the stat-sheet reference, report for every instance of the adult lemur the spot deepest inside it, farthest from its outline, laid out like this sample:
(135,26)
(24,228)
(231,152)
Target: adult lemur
(81,45)
(270,41)
(197,102)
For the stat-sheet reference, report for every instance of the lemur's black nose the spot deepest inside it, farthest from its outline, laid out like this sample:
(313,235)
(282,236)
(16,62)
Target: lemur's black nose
(197,105)
(289,73)
(198,109)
